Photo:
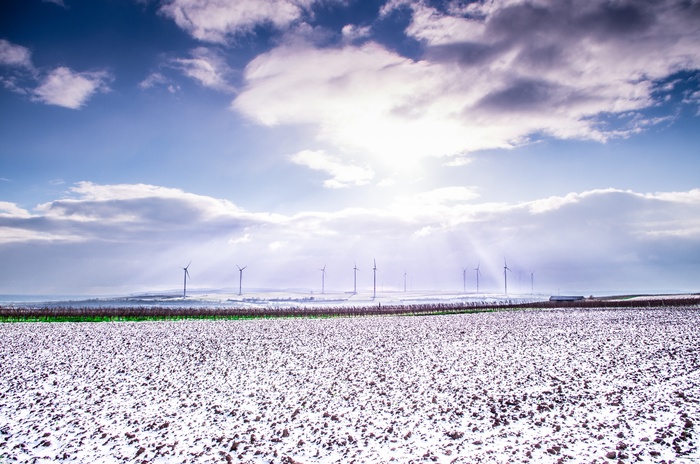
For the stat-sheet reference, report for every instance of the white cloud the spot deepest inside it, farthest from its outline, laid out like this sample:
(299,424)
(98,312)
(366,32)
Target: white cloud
(362,99)
(69,89)
(61,86)
(343,174)
(11,235)
(12,210)
(206,67)
(694,99)
(153,80)
(216,20)
(581,237)
(436,29)
(690,197)
(391,5)
(548,204)
(129,203)
(14,55)
(351,32)
(386,182)
(459,161)
(424,231)
(507,73)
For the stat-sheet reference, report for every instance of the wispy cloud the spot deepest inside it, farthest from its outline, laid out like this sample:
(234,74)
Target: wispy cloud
(153,80)
(60,3)
(207,67)
(14,55)
(70,89)
(343,174)
(18,68)
(693,98)
(157,79)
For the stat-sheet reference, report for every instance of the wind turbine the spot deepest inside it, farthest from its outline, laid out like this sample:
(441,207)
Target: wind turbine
(374,294)
(532,282)
(354,281)
(506,269)
(186,276)
(477,276)
(323,279)
(464,280)
(404,281)
(240,278)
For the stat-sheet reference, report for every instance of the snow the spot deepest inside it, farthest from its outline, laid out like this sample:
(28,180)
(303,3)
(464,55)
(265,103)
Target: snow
(271,299)
(523,386)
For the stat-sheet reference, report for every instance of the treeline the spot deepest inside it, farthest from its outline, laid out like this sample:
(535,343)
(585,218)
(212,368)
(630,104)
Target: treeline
(99,314)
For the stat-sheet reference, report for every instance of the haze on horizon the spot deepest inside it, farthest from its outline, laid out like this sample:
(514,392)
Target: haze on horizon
(289,135)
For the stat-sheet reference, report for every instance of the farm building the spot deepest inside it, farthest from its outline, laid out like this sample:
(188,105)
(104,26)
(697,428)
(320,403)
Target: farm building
(565,298)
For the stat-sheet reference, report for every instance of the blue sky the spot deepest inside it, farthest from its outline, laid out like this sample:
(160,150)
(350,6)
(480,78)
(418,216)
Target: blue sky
(283,135)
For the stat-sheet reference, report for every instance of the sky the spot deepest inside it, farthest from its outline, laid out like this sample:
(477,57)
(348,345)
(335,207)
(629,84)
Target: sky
(561,137)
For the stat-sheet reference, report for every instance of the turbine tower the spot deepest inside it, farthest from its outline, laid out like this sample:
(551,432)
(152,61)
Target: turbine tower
(240,278)
(532,282)
(374,294)
(464,280)
(323,279)
(506,269)
(404,281)
(354,281)
(477,276)
(186,276)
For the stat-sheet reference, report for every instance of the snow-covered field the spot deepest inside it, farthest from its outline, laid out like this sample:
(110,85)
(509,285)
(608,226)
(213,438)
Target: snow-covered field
(268,299)
(525,386)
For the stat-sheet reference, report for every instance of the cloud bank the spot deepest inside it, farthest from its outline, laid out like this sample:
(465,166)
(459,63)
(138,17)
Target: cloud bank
(592,239)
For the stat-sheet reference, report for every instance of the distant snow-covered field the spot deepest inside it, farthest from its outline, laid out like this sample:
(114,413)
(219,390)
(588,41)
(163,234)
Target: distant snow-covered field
(524,386)
(268,299)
